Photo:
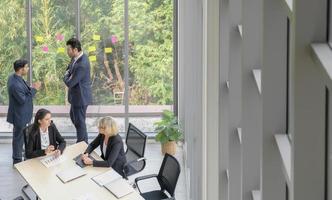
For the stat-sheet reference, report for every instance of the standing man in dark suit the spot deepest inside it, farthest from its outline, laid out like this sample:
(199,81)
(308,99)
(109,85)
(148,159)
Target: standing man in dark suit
(77,79)
(20,105)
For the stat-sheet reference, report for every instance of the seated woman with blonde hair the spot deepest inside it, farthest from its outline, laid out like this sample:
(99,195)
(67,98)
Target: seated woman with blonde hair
(111,146)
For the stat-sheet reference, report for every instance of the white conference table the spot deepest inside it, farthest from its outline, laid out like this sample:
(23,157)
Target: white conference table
(48,186)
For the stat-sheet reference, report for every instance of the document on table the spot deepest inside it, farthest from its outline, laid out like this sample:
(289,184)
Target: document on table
(119,188)
(70,174)
(52,160)
(87,196)
(106,177)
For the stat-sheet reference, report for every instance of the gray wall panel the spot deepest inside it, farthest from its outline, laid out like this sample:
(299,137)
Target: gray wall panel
(251,100)
(308,99)
(190,89)
(235,63)
(274,72)
(224,99)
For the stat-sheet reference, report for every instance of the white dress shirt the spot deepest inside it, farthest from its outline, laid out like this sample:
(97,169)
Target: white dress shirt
(104,149)
(44,139)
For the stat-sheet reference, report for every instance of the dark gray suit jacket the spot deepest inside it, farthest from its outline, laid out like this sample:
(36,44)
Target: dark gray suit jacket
(77,79)
(115,156)
(34,143)
(20,101)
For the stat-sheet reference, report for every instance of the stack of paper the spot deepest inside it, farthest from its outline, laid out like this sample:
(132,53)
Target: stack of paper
(70,174)
(52,160)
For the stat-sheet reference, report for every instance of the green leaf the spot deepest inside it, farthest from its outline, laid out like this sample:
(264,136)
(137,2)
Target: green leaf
(167,128)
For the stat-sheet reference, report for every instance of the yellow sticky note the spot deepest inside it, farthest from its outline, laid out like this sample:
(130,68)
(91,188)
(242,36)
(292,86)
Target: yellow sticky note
(92,48)
(61,50)
(39,38)
(108,50)
(96,37)
(92,58)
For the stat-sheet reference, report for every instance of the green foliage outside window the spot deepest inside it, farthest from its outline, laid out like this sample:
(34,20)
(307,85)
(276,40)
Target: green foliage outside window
(53,22)
(12,40)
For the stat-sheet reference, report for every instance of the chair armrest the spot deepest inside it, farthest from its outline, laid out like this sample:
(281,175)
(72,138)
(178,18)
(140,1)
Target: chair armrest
(133,161)
(143,178)
(129,163)
(140,159)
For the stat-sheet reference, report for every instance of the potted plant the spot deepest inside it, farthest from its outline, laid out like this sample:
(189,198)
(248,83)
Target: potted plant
(168,132)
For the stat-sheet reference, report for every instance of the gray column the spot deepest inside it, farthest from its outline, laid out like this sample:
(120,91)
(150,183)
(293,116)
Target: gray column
(126,61)
(29,36)
(224,100)
(251,123)
(235,85)
(210,133)
(308,97)
(190,89)
(274,86)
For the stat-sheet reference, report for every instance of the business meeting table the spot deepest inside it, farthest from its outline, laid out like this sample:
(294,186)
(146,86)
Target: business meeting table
(48,186)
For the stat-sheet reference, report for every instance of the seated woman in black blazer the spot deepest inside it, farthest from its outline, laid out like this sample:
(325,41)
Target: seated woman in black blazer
(44,137)
(111,146)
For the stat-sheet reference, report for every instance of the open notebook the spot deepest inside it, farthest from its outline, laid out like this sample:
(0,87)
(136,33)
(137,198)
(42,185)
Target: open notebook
(114,183)
(106,177)
(119,188)
(70,174)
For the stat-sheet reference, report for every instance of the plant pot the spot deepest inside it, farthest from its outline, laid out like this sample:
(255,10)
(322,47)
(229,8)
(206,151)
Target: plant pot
(169,147)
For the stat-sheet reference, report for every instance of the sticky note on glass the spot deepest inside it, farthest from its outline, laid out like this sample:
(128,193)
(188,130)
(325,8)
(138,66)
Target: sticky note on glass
(92,58)
(61,50)
(92,48)
(96,37)
(108,50)
(39,38)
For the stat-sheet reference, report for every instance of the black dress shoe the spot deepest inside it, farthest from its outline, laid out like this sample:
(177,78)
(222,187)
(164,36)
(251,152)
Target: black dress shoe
(16,161)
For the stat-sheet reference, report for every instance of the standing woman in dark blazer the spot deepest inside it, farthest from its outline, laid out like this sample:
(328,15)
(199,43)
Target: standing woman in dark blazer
(111,146)
(44,137)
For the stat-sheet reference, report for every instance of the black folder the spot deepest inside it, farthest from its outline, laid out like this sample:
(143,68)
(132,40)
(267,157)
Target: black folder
(78,160)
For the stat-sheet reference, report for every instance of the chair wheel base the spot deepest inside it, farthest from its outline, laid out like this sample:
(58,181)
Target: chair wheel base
(29,193)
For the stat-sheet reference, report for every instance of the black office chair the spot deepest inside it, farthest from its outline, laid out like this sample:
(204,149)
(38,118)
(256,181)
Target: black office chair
(26,131)
(167,178)
(136,142)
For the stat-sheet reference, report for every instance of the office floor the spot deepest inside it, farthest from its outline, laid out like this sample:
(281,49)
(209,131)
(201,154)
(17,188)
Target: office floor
(11,182)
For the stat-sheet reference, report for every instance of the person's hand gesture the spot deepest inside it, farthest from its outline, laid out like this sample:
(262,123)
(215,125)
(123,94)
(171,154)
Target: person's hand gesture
(36,85)
(49,149)
(87,161)
(84,156)
(57,153)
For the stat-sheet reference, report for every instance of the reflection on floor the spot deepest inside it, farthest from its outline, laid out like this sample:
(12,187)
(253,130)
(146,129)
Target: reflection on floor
(11,182)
